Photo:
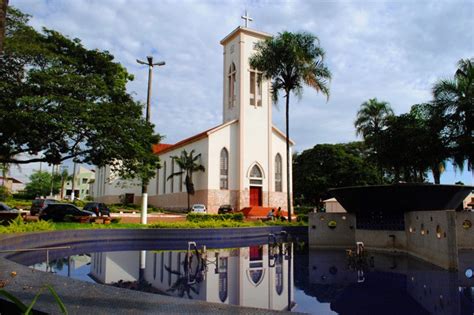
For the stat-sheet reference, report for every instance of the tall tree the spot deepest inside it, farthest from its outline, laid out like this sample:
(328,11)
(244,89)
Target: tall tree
(188,164)
(3,15)
(455,97)
(59,100)
(370,121)
(432,125)
(40,184)
(372,117)
(331,166)
(290,61)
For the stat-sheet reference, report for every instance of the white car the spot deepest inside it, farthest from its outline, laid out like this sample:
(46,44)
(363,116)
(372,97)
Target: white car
(198,208)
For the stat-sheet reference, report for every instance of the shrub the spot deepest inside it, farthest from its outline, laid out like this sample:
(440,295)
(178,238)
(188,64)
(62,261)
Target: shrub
(198,217)
(4,193)
(20,226)
(302,218)
(116,220)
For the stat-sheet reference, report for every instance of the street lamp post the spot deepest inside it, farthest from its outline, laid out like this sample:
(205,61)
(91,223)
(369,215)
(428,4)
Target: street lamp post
(150,65)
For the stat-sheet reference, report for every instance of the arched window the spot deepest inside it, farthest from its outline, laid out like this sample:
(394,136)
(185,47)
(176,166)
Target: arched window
(224,169)
(223,287)
(256,175)
(232,79)
(164,178)
(278,173)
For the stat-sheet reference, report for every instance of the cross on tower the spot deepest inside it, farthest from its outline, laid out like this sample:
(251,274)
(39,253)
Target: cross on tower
(247,18)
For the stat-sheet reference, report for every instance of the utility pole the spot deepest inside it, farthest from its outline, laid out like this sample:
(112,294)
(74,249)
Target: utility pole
(150,65)
(73,186)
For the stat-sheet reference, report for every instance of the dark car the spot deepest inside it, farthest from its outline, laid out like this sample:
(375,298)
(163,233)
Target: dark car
(39,204)
(98,208)
(4,208)
(225,209)
(58,211)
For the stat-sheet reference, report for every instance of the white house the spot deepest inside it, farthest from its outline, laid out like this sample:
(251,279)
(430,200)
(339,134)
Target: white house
(244,157)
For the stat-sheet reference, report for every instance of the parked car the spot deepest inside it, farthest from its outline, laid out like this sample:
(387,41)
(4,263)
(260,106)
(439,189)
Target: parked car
(39,204)
(198,208)
(225,209)
(98,208)
(5,208)
(58,211)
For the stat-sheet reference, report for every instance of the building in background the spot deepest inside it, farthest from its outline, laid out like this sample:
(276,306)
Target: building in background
(12,184)
(82,180)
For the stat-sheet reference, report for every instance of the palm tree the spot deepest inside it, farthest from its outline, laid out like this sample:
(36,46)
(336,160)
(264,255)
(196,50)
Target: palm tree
(371,120)
(456,98)
(291,60)
(188,164)
(372,117)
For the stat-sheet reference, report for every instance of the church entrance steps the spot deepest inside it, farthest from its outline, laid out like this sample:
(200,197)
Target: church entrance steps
(256,212)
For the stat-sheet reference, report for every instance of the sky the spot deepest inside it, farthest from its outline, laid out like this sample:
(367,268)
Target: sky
(391,50)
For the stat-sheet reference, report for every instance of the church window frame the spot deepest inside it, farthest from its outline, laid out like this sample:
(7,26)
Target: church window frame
(157,181)
(256,175)
(164,176)
(224,169)
(278,173)
(232,82)
(180,179)
(172,177)
(255,81)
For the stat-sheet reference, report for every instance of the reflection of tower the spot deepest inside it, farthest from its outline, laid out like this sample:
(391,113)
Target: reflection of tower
(245,276)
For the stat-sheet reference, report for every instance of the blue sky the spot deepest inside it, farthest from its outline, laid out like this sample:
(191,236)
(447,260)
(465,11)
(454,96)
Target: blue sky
(392,50)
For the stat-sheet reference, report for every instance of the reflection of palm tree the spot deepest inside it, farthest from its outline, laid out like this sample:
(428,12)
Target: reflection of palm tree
(187,280)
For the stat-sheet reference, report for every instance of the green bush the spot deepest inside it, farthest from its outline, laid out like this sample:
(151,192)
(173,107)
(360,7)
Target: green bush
(20,226)
(79,203)
(204,224)
(116,220)
(302,218)
(303,209)
(18,203)
(4,193)
(200,217)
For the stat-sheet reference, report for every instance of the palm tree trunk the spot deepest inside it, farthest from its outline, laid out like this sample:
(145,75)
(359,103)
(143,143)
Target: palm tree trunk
(287,119)
(436,174)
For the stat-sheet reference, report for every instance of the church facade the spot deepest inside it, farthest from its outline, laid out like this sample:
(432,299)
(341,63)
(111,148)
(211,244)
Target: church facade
(244,157)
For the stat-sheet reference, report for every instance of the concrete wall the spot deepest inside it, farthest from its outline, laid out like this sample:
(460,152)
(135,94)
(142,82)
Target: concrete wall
(391,240)
(465,235)
(321,235)
(431,235)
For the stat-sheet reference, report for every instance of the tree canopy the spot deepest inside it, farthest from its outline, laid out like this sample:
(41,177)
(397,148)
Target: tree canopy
(331,166)
(60,100)
(455,99)
(290,61)
(40,184)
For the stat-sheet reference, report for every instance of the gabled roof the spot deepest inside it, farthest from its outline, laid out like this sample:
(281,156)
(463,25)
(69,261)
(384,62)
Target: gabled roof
(246,30)
(14,180)
(163,147)
(282,134)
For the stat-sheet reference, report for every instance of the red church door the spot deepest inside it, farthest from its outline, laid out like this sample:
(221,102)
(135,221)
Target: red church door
(255,196)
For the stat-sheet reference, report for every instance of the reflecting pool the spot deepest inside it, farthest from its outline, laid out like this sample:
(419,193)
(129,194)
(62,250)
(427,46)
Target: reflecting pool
(273,276)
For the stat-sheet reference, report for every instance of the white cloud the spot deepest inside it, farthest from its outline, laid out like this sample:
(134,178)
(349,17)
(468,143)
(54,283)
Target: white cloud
(392,50)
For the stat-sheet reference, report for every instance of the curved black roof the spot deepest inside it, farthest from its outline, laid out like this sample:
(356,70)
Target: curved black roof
(401,197)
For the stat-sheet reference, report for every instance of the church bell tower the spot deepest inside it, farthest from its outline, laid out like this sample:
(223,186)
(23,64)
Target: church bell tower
(247,98)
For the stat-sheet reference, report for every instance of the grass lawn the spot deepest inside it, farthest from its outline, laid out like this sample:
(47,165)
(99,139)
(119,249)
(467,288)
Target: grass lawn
(193,222)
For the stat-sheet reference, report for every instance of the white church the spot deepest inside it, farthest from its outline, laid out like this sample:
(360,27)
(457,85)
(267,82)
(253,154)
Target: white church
(244,157)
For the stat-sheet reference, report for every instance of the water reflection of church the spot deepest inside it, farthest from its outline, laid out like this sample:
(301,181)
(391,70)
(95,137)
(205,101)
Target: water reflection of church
(255,276)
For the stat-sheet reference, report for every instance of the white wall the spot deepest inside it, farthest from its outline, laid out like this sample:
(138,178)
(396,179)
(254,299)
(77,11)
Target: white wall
(226,137)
